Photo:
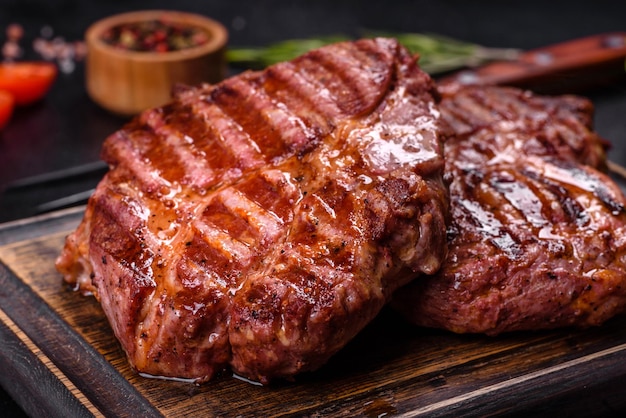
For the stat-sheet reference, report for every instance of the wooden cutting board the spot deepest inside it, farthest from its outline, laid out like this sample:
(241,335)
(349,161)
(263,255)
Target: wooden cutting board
(58,357)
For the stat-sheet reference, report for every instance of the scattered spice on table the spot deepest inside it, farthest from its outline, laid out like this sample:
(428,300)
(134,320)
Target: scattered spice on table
(11,49)
(49,47)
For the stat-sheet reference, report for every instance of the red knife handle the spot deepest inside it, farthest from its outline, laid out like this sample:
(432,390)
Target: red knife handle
(560,68)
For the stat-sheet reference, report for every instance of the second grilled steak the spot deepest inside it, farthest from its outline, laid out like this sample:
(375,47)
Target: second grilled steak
(538,235)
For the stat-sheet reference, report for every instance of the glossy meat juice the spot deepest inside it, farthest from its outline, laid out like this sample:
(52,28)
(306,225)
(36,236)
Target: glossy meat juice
(260,223)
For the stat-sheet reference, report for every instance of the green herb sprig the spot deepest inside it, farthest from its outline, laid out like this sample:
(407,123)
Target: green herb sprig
(260,57)
(437,53)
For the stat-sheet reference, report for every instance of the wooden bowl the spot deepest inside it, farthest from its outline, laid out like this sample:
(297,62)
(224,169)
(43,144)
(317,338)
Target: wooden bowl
(127,82)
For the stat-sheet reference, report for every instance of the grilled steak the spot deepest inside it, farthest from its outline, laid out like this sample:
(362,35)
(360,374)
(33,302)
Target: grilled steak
(538,235)
(262,222)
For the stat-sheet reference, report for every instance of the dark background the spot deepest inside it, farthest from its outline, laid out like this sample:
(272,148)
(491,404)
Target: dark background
(67,129)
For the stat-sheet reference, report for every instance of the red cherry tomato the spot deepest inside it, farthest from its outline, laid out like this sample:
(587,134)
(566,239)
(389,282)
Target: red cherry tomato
(7,102)
(28,82)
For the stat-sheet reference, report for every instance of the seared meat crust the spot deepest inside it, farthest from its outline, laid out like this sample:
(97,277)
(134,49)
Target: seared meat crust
(262,222)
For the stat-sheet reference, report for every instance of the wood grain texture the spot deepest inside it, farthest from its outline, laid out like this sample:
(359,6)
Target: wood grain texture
(390,369)
(53,394)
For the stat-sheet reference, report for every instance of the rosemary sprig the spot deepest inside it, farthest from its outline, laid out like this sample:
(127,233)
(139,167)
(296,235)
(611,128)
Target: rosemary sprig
(438,53)
(259,57)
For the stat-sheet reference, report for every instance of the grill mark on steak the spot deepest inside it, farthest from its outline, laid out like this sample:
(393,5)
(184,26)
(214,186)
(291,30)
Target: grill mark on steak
(487,225)
(236,100)
(162,164)
(563,205)
(329,197)
(274,190)
(122,152)
(229,138)
(185,164)
(244,219)
(578,176)
(312,100)
(219,229)
(342,75)
(204,157)
(208,251)
(523,197)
